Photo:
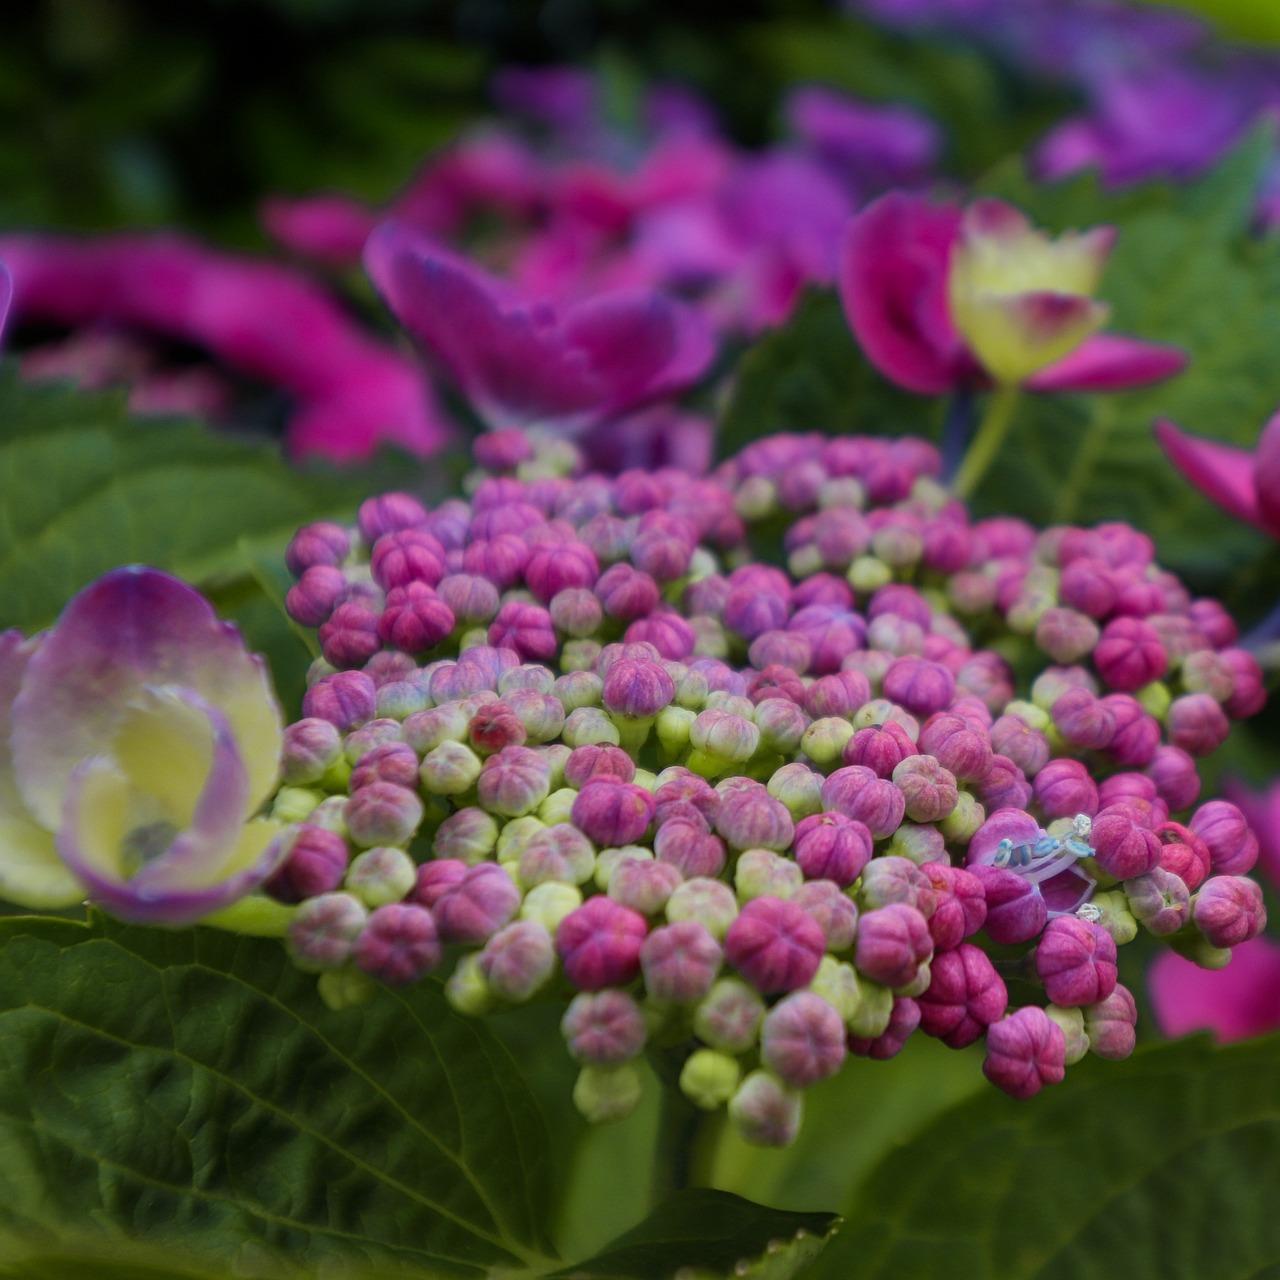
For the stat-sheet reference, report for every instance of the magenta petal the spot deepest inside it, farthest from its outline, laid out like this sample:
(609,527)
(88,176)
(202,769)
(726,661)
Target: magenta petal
(1222,472)
(131,628)
(1261,811)
(893,284)
(329,228)
(1234,1003)
(1109,363)
(1266,475)
(6,295)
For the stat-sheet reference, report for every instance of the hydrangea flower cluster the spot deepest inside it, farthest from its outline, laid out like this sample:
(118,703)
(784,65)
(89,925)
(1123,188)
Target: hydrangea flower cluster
(573,735)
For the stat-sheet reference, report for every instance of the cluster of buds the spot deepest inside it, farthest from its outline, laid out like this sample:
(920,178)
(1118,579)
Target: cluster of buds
(570,734)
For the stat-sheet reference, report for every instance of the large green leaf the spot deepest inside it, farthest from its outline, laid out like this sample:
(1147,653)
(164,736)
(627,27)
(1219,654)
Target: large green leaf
(1162,1166)
(190,1090)
(1185,271)
(809,375)
(712,1234)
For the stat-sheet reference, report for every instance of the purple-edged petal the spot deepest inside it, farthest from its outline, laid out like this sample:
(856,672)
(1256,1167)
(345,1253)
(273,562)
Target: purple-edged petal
(1014,335)
(132,628)
(1222,472)
(1234,1003)
(521,364)
(1109,363)
(893,284)
(1014,825)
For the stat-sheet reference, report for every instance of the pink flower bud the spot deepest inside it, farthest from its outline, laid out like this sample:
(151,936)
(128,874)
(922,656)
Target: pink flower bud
(320,543)
(388,513)
(599,944)
(1174,773)
(1110,1024)
(1015,910)
(612,813)
(787,649)
(921,686)
(472,599)
(314,597)
(514,782)
(1233,848)
(415,618)
(880,748)
(835,912)
(316,864)
(395,762)
(1025,1051)
(840,694)
(603,1027)
(1065,634)
(1084,721)
(960,904)
(1076,961)
(890,878)
(1123,848)
(526,628)
(775,945)
(690,848)
(434,879)
(1248,691)
(755,820)
(680,961)
(1089,585)
(310,746)
(555,567)
(961,749)
(929,789)
(596,760)
(1130,654)
(710,902)
(1159,901)
(1064,788)
(831,846)
(350,637)
(1229,910)
(765,1112)
(644,884)
(398,944)
(893,942)
(637,689)
(858,793)
(474,908)
(1004,786)
(1016,740)
(965,996)
(1197,724)
(406,556)
(1183,853)
(518,960)
(802,1040)
(345,699)
(383,814)
(559,852)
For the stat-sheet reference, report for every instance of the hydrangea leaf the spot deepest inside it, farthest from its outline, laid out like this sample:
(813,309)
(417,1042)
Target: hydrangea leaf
(809,375)
(706,1235)
(1185,271)
(1162,1165)
(88,488)
(189,1090)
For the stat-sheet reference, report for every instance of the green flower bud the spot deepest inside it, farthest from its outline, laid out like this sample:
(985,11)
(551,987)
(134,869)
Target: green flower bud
(761,871)
(578,689)
(672,727)
(1155,698)
(1072,1023)
(1116,918)
(515,835)
(825,739)
(589,725)
(875,1008)
(837,983)
(607,861)
(765,1112)
(295,804)
(381,875)
(466,990)
(331,815)
(646,779)
(1035,716)
(556,807)
(709,1079)
(549,903)
(756,499)
(799,788)
(710,640)
(602,1094)
(962,823)
(805,561)
(451,769)
(868,573)
(842,491)
(579,655)
(728,1017)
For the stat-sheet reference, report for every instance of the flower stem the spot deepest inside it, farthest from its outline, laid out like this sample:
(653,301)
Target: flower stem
(991,434)
(678,1132)
(957,431)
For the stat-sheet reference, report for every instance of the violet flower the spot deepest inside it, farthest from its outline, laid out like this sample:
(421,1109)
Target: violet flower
(137,740)
(351,394)
(521,364)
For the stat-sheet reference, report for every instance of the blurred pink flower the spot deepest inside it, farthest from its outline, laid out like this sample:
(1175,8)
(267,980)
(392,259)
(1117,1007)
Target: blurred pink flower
(351,394)
(1234,1003)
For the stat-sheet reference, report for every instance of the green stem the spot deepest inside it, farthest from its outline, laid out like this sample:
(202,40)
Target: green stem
(678,1131)
(990,435)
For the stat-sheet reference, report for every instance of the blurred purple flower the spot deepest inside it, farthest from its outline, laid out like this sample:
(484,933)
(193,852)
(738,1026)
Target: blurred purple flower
(522,364)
